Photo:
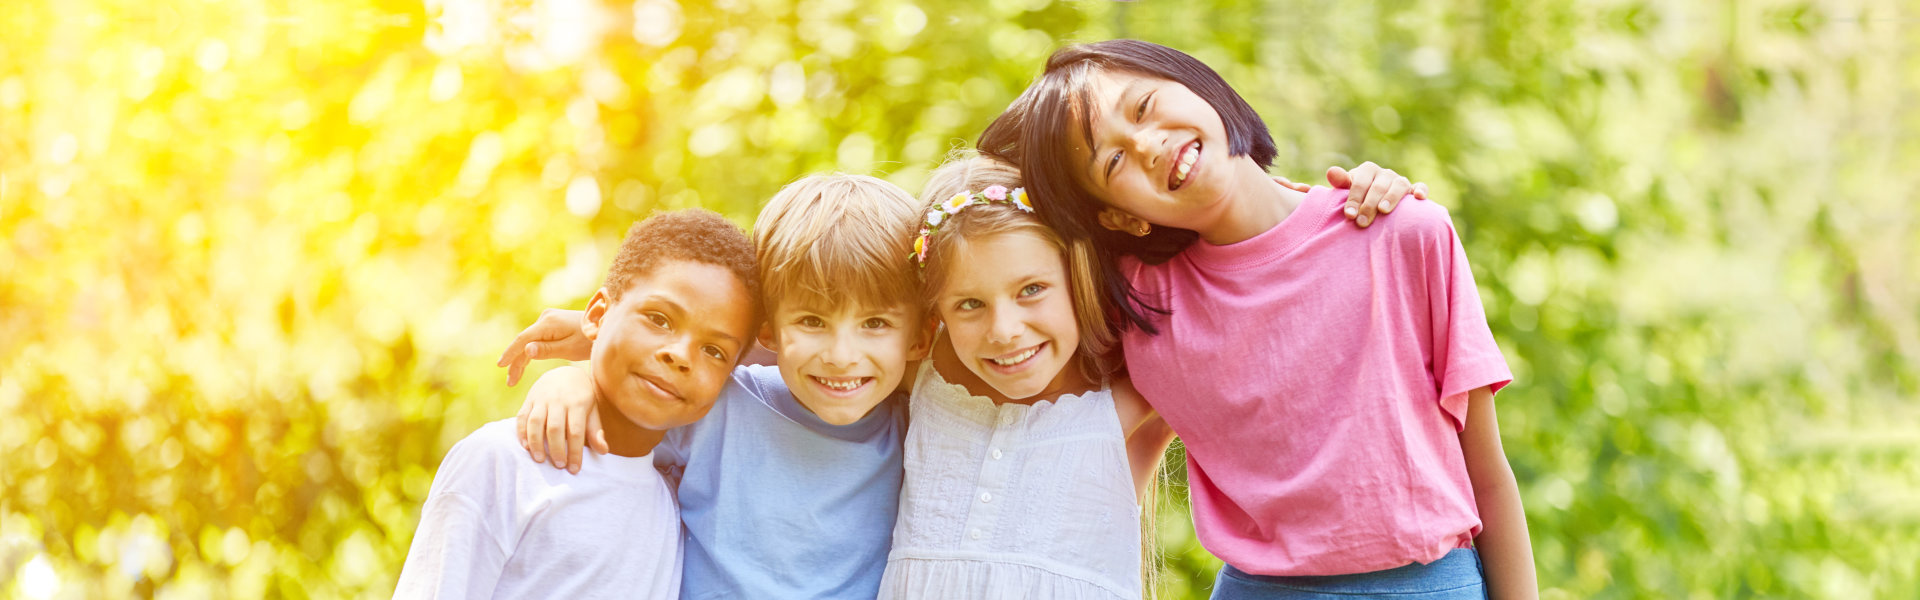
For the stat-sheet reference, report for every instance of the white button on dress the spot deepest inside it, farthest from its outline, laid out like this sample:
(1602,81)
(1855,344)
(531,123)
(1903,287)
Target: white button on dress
(1014,501)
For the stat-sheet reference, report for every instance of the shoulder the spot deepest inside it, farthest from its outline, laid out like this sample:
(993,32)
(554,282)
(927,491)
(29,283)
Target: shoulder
(491,442)
(758,380)
(1422,218)
(483,459)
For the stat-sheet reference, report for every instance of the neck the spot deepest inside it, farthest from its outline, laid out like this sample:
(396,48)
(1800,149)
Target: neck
(624,437)
(1255,204)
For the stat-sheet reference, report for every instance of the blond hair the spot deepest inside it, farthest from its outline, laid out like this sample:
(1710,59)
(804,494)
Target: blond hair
(829,239)
(970,172)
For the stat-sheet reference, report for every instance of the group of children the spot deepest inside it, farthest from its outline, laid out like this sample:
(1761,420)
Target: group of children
(952,409)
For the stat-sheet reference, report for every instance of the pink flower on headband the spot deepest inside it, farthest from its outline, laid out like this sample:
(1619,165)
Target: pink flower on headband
(995,193)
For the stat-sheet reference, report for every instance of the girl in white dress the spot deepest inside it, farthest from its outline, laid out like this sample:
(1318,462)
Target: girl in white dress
(1019,483)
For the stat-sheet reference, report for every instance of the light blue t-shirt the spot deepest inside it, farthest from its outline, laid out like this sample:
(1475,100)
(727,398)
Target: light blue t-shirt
(780,504)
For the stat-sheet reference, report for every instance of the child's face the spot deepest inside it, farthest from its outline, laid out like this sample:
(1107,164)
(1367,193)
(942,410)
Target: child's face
(1009,312)
(842,361)
(1144,129)
(662,353)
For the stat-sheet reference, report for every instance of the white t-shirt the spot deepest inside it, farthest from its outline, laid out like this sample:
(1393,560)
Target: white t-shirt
(498,525)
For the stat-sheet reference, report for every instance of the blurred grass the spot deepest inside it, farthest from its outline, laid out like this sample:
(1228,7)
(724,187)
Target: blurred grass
(256,257)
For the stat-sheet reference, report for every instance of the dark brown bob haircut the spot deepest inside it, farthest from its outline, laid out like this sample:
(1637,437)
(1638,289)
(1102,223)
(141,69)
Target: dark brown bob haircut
(1037,133)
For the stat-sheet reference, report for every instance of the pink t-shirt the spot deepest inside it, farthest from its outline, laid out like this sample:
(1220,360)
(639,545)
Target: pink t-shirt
(1318,375)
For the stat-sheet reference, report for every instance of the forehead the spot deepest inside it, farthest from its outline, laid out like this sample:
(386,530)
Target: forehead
(710,295)
(1004,257)
(840,306)
(1091,98)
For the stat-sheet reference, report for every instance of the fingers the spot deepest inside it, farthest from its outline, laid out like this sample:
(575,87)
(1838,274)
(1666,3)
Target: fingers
(1377,194)
(1289,184)
(1339,178)
(519,366)
(520,427)
(1399,189)
(534,432)
(1360,180)
(1420,191)
(576,436)
(557,436)
(596,435)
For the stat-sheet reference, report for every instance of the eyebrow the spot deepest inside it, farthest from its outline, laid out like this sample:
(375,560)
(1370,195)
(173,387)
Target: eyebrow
(705,329)
(1093,153)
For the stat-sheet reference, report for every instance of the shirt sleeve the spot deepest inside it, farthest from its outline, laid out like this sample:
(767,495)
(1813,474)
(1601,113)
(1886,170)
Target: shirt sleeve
(456,552)
(1465,356)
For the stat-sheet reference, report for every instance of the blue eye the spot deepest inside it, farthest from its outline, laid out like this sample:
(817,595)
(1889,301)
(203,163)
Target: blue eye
(968,304)
(1031,289)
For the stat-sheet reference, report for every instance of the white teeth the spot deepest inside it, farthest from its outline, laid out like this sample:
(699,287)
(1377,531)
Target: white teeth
(843,386)
(1187,159)
(1015,359)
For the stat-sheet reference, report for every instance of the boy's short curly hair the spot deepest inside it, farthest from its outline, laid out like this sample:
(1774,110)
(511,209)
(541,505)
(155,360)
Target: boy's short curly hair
(694,235)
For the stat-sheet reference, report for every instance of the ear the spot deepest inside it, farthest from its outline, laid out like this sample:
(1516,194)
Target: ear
(923,343)
(597,308)
(1117,220)
(767,339)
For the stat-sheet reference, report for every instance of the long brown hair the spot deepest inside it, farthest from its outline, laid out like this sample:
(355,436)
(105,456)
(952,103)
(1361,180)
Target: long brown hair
(1036,133)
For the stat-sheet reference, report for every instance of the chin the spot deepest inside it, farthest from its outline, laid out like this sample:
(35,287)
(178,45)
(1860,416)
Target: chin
(841,412)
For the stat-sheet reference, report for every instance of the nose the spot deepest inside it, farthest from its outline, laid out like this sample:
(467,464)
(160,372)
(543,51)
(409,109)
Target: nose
(1006,327)
(841,351)
(674,355)
(1144,142)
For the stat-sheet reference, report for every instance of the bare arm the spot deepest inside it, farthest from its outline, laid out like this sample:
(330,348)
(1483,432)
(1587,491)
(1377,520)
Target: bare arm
(1146,449)
(559,417)
(1147,434)
(556,334)
(1505,550)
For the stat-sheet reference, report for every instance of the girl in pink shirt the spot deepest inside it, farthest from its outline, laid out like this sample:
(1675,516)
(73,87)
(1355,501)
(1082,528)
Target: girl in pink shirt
(1334,387)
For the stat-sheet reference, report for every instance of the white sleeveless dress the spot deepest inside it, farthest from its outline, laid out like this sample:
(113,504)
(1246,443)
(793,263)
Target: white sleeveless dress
(1013,501)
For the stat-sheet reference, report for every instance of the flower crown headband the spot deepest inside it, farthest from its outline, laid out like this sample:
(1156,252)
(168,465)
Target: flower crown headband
(996,194)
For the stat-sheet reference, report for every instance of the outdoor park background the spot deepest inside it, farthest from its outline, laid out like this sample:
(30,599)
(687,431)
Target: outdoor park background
(257,258)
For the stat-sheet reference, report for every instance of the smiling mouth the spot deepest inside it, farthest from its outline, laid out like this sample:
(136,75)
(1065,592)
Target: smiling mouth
(1009,362)
(841,384)
(1183,165)
(662,389)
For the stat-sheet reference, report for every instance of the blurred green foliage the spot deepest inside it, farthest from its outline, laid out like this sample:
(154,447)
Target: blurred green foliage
(256,258)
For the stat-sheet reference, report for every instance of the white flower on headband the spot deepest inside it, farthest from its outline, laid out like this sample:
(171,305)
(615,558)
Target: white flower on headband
(996,194)
(957,202)
(1020,199)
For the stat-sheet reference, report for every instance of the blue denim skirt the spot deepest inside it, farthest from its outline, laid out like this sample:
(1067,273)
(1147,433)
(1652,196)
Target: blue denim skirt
(1455,576)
